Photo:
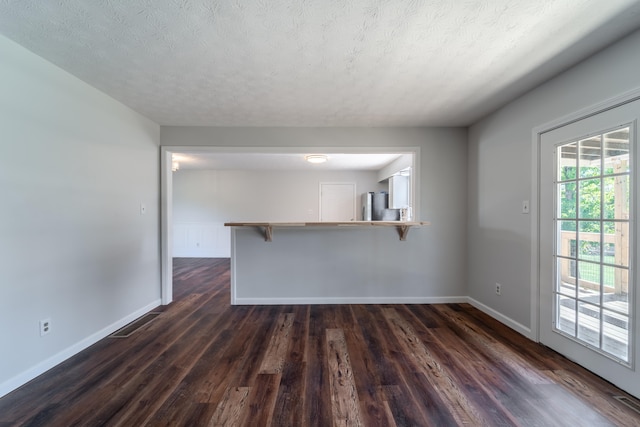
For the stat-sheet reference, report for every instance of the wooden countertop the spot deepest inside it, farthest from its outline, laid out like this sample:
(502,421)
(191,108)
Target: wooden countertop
(402,226)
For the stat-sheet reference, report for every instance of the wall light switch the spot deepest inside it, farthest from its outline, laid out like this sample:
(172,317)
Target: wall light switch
(525,206)
(143,209)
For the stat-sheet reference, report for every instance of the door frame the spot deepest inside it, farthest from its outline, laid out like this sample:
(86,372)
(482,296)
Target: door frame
(536,139)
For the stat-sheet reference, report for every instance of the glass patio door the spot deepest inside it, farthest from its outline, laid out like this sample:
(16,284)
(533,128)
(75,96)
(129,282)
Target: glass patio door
(587,243)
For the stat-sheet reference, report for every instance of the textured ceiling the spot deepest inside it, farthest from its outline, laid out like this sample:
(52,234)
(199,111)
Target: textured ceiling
(315,63)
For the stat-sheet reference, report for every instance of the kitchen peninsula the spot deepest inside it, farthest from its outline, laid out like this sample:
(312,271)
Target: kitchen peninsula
(326,262)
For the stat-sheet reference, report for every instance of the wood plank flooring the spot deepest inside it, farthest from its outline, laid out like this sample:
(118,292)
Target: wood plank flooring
(202,362)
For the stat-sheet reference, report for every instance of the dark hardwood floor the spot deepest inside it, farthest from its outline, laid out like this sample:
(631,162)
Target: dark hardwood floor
(202,362)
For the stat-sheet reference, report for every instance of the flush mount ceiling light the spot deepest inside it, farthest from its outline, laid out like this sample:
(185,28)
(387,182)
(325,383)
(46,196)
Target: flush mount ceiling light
(316,158)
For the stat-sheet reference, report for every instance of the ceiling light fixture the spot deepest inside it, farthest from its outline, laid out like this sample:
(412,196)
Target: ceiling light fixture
(316,158)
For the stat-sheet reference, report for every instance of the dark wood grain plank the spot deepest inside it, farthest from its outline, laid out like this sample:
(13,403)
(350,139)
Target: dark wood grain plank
(216,371)
(394,370)
(373,407)
(289,407)
(273,360)
(597,394)
(401,413)
(261,401)
(507,387)
(317,399)
(494,347)
(345,404)
(464,411)
(231,408)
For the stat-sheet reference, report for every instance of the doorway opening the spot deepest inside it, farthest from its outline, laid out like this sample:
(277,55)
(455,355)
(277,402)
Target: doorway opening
(265,184)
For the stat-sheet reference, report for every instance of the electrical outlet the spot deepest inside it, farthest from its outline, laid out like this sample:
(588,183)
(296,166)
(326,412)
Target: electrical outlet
(498,289)
(45,327)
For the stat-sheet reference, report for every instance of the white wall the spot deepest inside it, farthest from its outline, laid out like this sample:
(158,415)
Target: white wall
(500,173)
(203,200)
(437,265)
(74,167)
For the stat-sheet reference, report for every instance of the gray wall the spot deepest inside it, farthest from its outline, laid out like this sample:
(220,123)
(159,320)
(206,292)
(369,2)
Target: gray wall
(438,252)
(203,200)
(75,165)
(500,173)
(339,265)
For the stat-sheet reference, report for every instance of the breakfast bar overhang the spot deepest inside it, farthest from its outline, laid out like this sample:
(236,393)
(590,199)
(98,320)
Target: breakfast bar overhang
(402,226)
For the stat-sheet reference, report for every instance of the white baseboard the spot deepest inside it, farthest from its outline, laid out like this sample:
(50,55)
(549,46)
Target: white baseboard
(26,376)
(518,327)
(349,300)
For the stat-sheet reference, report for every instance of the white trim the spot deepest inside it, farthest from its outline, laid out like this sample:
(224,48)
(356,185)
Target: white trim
(534,210)
(166,224)
(232,273)
(536,135)
(350,300)
(518,327)
(31,373)
(633,249)
(415,180)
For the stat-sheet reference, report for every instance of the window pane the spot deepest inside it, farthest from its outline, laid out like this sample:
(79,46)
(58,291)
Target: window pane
(616,151)
(566,284)
(566,315)
(616,197)
(616,243)
(590,199)
(567,200)
(589,243)
(589,323)
(567,237)
(589,281)
(615,334)
(616,291)
(567,161)
(590,156)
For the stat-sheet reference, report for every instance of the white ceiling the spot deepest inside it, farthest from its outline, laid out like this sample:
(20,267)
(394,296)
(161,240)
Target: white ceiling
(315,62)
(282,161)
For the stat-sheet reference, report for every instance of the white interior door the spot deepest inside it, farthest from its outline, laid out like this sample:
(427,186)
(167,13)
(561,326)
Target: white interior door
(337,201)
(588,205)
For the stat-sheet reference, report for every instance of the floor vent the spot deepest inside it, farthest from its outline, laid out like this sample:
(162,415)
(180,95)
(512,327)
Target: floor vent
(631,403)
(132,327)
